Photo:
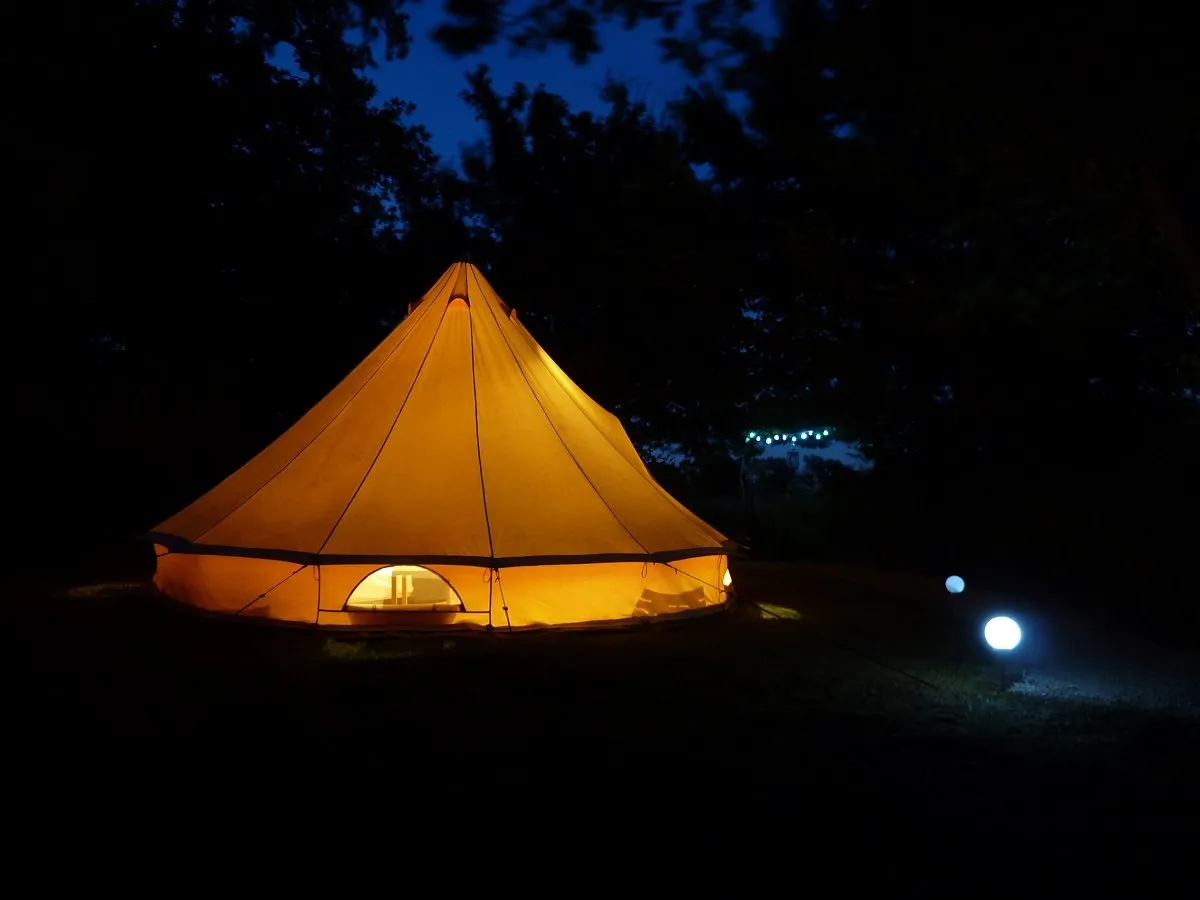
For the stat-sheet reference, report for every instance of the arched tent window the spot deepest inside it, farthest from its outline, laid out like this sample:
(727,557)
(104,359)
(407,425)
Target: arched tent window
(402,588)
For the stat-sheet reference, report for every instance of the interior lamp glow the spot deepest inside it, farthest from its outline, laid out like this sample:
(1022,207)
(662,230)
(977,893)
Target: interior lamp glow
(955,584)
(1002,633)
(727,580)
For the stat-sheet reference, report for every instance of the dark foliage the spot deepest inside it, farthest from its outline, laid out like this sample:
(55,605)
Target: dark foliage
(626,264)
(964,234)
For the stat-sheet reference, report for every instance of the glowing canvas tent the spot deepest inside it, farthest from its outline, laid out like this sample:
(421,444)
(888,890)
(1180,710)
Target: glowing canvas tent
(456,477)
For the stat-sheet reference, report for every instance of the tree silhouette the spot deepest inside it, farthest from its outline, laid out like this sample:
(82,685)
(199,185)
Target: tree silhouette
(975,253)
(965,235)
(626,265)
(218,249)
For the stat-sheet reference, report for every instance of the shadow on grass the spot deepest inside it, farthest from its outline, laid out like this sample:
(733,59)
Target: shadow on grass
(813,681)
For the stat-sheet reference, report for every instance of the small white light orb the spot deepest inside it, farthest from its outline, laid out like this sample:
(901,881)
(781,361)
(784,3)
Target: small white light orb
(754,434)
(825,432)
(727,581)
(1002,633)
(955,584)
(768,440)
(804,437)
(758,440)
(776,437)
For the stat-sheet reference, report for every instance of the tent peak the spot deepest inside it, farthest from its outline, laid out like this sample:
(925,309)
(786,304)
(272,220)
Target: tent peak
(460,291)
(456,448)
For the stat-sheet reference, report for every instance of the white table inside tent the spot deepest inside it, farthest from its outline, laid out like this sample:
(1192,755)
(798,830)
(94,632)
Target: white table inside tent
(403,588)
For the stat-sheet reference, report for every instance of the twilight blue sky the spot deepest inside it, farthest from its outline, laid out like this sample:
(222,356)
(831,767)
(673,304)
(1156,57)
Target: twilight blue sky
(433,80)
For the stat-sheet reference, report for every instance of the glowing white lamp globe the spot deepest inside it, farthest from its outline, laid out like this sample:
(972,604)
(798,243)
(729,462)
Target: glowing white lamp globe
(727,580)
(1002,633)
(955,584)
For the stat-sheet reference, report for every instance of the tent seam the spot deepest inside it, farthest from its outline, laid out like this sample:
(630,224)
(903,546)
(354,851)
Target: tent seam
(180,545)
(412,387)
(645,476)
(550,422)
(362,387)
(487,519)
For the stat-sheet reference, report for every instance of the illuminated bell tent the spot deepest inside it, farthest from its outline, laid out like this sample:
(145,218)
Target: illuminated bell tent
(457,477)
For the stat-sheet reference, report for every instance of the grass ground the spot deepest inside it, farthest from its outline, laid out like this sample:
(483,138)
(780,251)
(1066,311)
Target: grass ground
(861,693)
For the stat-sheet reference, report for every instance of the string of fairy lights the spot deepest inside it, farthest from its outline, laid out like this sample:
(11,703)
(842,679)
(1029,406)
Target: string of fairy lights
(812,435)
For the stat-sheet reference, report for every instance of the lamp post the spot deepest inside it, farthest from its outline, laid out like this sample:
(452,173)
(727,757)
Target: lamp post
(1002,634)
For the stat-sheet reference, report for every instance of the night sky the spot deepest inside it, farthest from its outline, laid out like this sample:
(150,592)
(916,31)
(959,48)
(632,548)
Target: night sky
(433,80)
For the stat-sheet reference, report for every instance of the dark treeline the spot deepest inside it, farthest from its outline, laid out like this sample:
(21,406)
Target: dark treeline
(967,235)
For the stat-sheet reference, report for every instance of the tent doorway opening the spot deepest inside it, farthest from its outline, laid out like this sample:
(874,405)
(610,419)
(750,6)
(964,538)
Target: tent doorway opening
(402,588)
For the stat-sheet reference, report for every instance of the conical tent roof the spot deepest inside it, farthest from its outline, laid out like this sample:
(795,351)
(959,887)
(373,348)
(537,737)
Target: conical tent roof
(457,441)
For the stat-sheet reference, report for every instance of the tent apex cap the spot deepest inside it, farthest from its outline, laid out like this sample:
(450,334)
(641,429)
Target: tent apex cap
(460,290)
